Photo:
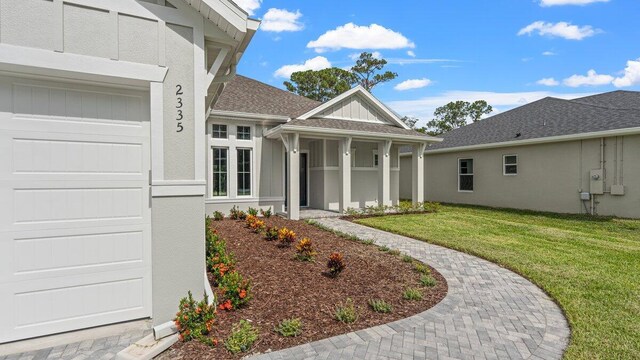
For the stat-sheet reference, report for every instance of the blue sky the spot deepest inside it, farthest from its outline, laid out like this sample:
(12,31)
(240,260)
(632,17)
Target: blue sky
(508,52)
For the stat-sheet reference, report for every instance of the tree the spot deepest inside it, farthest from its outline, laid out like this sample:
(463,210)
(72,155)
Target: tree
(366,69)
(321,85)
(457,114)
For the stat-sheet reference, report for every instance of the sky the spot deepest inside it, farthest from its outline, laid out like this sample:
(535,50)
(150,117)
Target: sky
(507,52)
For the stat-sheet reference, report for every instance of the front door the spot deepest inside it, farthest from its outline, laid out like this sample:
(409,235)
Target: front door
(304,179)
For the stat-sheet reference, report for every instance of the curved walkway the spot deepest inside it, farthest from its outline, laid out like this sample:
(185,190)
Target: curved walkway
(489,313)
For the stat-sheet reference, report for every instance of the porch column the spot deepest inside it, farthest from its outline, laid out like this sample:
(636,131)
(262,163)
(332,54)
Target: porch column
(344,174)
(292,142)
(384,173)
(417,171)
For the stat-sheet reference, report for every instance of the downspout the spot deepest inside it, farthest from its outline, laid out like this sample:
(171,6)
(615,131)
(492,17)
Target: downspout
(621,161)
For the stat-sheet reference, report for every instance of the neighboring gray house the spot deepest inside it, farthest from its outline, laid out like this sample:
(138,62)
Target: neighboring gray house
(103,106)
(566,156)
(345,152)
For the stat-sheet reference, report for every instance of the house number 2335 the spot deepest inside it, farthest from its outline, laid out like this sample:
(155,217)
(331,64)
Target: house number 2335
(179,115)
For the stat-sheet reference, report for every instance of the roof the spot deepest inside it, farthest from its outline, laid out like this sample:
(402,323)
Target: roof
(251,96)
(550,117)
(354,126)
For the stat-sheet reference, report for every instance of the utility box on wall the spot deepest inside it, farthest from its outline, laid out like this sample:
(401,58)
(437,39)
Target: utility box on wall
(617,190)
(596,182)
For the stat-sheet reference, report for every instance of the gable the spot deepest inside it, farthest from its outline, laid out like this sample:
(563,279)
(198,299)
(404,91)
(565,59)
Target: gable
(357,108)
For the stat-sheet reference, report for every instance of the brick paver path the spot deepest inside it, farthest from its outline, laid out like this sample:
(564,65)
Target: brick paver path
(489,313)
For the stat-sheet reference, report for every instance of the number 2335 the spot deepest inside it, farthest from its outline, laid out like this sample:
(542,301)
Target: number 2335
(179,115)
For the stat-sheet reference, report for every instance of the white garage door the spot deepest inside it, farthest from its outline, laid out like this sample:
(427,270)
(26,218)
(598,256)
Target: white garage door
(74,210)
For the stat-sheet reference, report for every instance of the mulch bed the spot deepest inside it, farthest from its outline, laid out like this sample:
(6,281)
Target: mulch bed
(284,288)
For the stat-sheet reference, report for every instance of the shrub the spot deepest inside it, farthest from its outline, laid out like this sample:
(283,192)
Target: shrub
(394,252)
(234,213)
(257,226)
(235,291)
(407,258)
(271,233)
(432,207)
(242,337)
(289,327)
(195,320)
(217,216)
(252,211)
(421,268)
(219,265)
(347,312)
(384,248)
(428,280)
(380,306)
(412,294)
(352,212)
(286,237)
(335,264)
(250,219)
(213,243)
(242,215)
(367,242)
(305,250)
(266,213)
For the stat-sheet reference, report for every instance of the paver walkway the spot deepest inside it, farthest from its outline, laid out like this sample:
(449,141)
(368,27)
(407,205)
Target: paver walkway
(488,313)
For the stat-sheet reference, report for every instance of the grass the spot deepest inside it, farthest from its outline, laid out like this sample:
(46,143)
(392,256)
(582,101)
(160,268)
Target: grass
(590,266)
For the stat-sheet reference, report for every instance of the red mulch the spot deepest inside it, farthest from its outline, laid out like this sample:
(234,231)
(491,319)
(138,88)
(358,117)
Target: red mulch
(284,288)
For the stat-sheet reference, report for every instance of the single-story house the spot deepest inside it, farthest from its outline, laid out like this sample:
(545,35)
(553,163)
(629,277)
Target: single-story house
(565,156)
(103,176)
(270,148)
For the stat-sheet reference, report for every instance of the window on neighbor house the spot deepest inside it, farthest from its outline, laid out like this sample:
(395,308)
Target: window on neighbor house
(375,158)
(219,131)
(465,175)
(510,165)
(243,133)
(244,172)
(220,161)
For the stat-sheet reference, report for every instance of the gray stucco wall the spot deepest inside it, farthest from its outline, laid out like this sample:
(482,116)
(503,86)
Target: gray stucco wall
(550,177)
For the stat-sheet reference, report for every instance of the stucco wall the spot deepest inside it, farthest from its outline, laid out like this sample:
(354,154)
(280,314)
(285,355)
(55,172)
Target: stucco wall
(550,177)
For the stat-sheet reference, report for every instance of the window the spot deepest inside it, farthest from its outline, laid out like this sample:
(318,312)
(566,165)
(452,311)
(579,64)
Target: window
(353,157)
(375,158)
(244,133)
(220,157)
(465,175)
(510,165)
(244,172)
(219,131)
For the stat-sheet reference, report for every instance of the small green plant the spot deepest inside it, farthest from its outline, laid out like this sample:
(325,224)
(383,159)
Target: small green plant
(305,250)
(266,213)
(421,268)
(194,321)
(394,252)
(346,312)
(432,207)
(380,306)
(234,213)
(412,294)
(289,327)
(384,248)
(243,336)
(367,242)
(352,212)
(252,211)
(271,233)
(428,280)
(235,291)
(217,216)
(407,258)
(335,264)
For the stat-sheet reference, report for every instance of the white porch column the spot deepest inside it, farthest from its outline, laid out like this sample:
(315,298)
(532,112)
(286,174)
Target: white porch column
(291,144)
(384,173)
(417,171)
(344,174)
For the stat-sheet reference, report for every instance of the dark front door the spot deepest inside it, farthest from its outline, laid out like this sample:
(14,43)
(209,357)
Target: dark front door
(304,179)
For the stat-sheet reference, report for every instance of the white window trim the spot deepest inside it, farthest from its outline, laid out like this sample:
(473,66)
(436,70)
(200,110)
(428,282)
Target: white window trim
(220,138)
(211,174)
(250,132)
(504,165)
(251,172)
(459,174)
(373,158)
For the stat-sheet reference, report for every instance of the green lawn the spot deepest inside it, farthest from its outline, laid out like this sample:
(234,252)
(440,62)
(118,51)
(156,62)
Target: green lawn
(590,266)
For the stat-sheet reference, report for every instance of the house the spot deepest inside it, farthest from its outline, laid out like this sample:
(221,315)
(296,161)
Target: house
(270,148)
(565,156)
(103,173)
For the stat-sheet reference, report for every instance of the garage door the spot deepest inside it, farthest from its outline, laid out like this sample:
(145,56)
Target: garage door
(74,211)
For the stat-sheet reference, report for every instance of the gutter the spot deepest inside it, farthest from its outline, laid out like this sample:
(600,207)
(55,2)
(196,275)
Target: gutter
(247,116)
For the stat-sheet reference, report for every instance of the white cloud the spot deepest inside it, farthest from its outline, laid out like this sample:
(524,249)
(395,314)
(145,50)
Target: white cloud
(250,6)
(351,36)
(423,108)
(411,53)
(591,79)
(549,53)
(548,82)
(278,20)
(631,75)
(317,63)
(569,2)
(413,84)
(561,29)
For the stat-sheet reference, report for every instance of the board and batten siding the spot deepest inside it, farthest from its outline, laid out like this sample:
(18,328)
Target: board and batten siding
(355,108)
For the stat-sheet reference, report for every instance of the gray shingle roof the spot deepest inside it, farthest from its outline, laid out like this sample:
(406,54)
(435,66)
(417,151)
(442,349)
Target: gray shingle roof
(251,96)
(550,117)
(348,125)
